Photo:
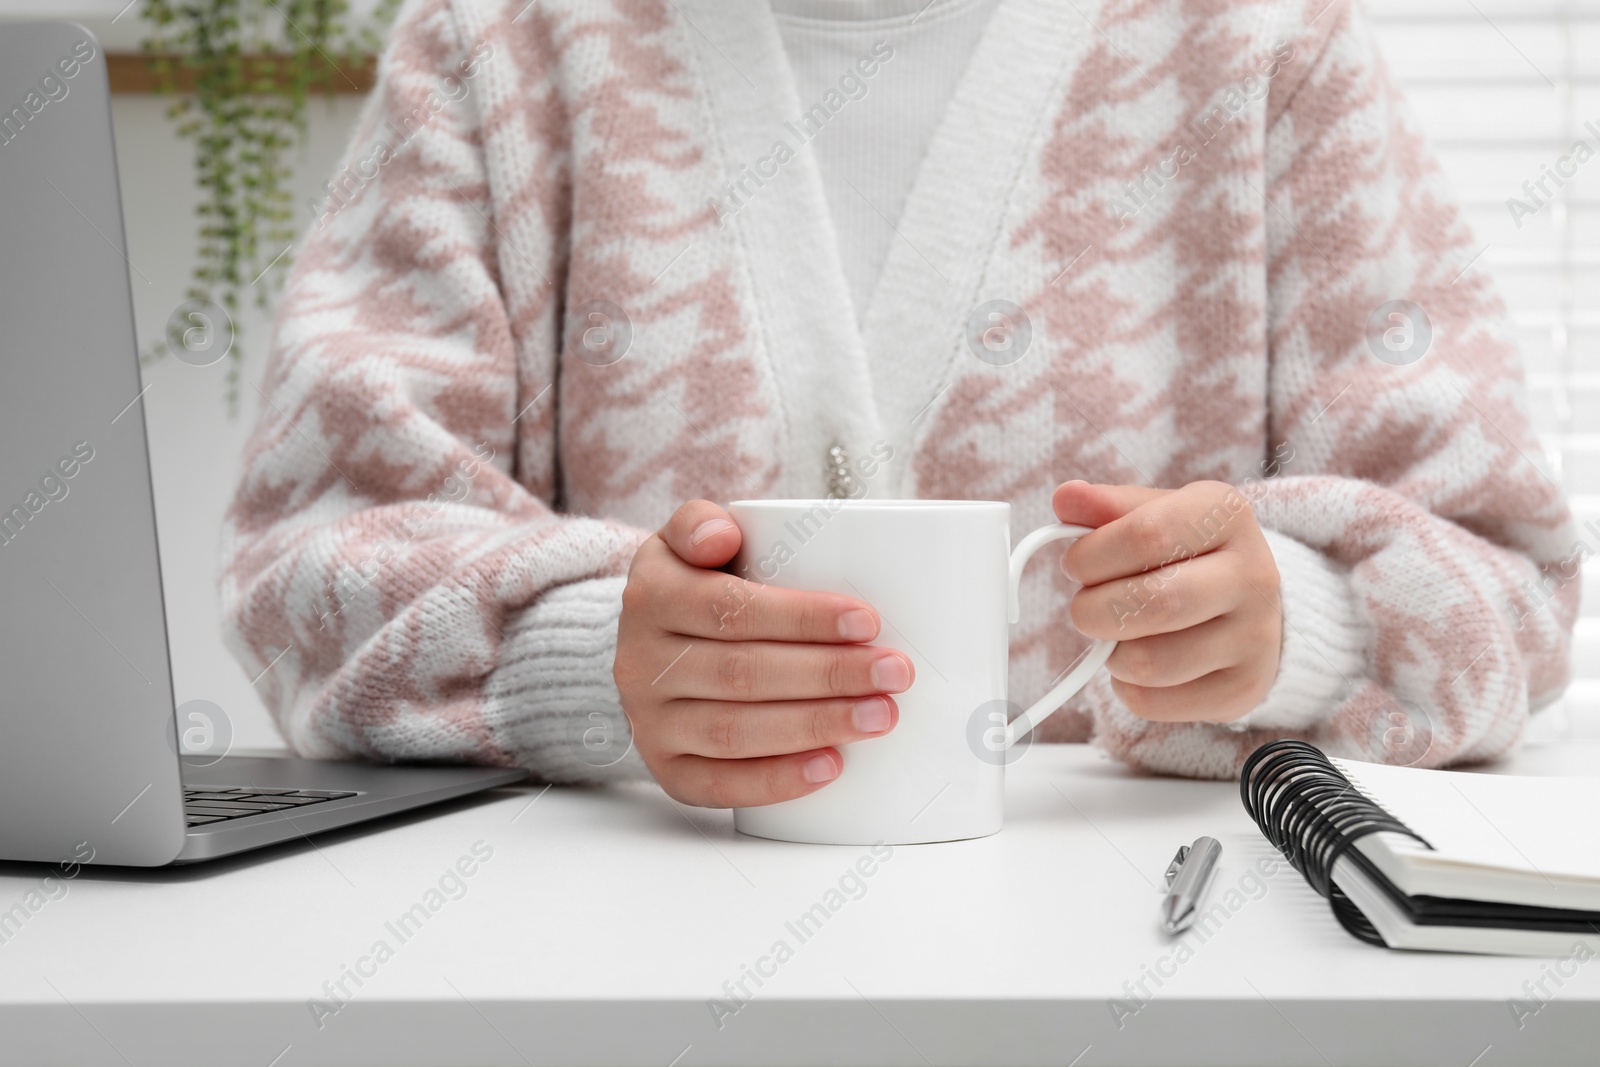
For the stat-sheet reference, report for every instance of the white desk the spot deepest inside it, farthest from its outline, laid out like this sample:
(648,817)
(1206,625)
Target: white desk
(605,920)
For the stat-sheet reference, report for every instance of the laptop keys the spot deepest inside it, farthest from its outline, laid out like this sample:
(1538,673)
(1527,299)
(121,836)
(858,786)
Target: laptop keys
(244,805)
(219,813)
(208,804)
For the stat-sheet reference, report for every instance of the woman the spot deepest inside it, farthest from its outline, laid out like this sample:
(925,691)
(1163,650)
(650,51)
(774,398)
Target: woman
(1188,276)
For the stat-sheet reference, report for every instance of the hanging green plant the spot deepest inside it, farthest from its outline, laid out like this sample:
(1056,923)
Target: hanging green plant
(240,73)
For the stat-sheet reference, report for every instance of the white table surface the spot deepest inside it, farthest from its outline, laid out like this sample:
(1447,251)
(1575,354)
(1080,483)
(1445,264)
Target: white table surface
(606,919)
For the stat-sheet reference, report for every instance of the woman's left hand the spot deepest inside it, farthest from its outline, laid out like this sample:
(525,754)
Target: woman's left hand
(1185,581)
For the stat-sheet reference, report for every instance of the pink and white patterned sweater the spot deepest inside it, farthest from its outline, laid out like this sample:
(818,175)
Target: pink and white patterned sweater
(1196,208)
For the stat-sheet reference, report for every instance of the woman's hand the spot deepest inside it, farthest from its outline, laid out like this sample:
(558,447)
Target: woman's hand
(738,691)
(1184,579)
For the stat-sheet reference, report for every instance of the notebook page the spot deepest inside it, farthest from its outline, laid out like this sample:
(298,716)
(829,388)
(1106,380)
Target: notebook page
(1542,825)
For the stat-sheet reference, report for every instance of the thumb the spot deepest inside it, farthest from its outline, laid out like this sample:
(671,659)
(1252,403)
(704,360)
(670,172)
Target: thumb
(1085,504)
(702,534)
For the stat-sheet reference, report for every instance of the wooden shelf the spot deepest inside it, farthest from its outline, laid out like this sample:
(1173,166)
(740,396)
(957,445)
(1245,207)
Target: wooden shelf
(130,73)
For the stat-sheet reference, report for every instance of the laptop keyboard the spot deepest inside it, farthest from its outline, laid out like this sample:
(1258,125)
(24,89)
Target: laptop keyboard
(202,805)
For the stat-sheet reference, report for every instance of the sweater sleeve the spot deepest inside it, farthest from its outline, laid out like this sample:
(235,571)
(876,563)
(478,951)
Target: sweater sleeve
(396,576)
(1427,557)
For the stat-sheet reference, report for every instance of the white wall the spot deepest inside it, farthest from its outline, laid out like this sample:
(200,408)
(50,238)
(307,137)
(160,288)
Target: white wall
(194,445)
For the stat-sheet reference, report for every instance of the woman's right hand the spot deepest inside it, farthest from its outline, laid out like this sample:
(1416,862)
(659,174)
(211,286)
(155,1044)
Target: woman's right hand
(736,691)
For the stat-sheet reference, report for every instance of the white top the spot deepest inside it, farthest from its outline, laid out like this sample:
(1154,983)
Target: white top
(870,147)
(582,925)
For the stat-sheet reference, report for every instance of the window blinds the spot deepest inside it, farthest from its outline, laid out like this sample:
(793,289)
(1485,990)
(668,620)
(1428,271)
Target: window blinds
(1504,88)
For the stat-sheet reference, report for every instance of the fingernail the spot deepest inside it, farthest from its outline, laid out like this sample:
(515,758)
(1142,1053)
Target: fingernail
(709,528)
(892,674)
(820,769)
(871,716)
(857,625)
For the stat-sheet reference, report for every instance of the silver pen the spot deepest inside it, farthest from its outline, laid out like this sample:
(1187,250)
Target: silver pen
(1188,878)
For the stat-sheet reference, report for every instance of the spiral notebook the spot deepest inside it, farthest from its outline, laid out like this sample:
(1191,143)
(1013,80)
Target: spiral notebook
(1443,860)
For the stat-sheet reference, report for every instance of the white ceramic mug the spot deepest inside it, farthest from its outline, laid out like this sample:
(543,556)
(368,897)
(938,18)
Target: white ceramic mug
(943,578)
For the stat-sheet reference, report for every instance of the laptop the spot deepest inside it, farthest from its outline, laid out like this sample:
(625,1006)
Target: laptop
(90,759)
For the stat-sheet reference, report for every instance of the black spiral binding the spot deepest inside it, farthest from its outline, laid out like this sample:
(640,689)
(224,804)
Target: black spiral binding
(1313,814)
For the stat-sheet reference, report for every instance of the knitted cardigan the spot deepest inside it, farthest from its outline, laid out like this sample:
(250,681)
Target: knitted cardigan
(576,268)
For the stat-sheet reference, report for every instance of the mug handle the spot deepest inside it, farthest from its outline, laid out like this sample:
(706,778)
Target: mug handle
(1092,660)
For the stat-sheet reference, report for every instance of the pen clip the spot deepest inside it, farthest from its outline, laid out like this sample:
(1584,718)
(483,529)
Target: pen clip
(1177,864)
